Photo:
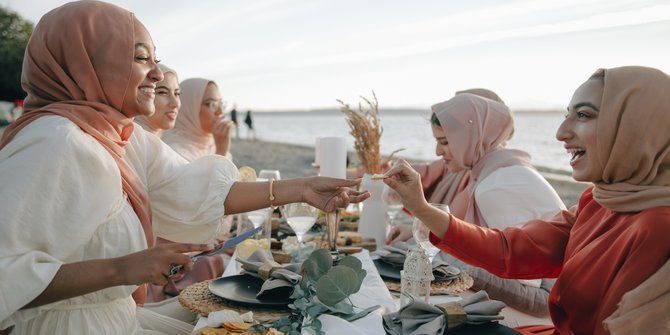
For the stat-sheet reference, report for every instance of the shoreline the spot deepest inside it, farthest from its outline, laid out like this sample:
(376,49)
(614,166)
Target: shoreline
(295,161)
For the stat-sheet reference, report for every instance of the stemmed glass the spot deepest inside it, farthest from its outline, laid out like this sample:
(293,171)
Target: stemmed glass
(258,218)
(268,175)
(301,217)
(422,234)
(393,203)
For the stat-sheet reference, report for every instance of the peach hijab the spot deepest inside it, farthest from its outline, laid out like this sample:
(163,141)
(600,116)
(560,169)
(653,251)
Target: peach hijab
(188,129)
(633,140)
(477,129)
(77,64)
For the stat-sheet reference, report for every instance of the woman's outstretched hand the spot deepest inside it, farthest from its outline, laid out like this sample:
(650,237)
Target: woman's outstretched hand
(328,194)
(407,182)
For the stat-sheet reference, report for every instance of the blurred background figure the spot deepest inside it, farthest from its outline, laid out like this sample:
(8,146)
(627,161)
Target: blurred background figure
(251,133)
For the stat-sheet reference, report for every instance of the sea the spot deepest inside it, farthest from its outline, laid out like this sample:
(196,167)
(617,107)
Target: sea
(410,130)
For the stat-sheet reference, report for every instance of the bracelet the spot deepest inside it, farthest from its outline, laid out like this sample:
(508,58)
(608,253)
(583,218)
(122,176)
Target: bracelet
(272,196)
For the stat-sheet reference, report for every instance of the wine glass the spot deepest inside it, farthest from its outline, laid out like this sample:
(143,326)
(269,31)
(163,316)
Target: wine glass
(301,217)
(258,218)
(268,174)
(422,234)
(393,203)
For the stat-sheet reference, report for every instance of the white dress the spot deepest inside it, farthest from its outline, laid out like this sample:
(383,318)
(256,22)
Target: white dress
(62,202)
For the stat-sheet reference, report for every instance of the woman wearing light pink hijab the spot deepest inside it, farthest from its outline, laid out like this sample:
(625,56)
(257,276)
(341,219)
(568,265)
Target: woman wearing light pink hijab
(167,104)
(200,129)
(84,191)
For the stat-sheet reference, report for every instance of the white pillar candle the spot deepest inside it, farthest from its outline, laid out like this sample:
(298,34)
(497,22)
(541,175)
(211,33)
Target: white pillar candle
(333,157)
(317,152)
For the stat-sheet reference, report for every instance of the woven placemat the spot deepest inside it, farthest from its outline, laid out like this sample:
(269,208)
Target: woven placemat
(457,285)
(198,299)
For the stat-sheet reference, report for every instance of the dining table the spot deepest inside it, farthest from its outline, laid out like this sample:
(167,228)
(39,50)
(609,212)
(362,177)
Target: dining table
(374,291)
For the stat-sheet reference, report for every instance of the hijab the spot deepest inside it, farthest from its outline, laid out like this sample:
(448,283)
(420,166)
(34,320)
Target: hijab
(143,120)
(633,140)
(476,129)
(76,65)
(441,184)
(187,131)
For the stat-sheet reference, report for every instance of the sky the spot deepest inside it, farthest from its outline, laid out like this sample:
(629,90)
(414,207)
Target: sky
(270,55)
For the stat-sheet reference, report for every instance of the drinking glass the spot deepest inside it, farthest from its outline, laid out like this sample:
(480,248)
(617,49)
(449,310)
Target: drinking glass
(258,218)
(301,217)
(268,174)
(422,234)
(393,203)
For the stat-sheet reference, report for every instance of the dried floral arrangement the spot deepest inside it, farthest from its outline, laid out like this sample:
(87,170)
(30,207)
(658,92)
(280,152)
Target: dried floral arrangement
(366,130)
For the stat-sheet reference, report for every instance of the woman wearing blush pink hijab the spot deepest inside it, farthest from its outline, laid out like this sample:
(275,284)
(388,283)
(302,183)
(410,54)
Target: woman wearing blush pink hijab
(167,103)
(84,191)
(200,129)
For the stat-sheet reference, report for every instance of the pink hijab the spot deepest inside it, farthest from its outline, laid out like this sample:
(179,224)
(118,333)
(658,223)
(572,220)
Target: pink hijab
(440,184)
(187,130)
(634,140)
(143,120)
(476,129)
(77,65)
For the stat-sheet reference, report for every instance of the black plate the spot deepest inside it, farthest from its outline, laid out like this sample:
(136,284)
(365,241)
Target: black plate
(242,290)
(387,270)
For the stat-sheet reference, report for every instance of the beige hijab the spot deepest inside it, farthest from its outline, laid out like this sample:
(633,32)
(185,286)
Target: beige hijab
(476,129)
(634,140)
(77,65)
(143,120)
(187,131)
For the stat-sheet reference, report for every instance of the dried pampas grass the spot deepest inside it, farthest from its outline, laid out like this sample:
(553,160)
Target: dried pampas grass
(365,128)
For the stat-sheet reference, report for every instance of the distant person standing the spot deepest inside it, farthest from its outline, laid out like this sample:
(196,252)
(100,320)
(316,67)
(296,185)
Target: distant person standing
(251,133)
(233,117)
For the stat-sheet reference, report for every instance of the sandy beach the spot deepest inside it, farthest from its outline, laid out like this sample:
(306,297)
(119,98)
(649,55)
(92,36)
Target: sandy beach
(296,161)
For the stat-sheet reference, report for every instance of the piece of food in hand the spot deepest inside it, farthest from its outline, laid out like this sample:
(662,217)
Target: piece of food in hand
(247,173)
(378,176)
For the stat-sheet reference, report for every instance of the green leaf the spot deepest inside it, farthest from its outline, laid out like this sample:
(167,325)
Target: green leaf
(336,285)
(342,307)
(356,265)
(318,264)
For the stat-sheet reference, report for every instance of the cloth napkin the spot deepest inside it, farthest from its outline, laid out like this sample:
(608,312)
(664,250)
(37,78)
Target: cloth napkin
(279,279)
(395,255)
(418,317)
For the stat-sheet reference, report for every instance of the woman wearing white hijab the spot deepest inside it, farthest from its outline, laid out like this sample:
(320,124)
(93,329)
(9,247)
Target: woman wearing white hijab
(200,129)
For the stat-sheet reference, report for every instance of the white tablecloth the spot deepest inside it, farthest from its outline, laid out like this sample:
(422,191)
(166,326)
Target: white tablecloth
(374,292)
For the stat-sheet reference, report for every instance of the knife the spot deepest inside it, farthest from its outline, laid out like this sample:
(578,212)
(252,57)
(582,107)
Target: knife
(227,245)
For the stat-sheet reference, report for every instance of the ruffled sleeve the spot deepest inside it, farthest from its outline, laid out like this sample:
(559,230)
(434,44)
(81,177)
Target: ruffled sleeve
(186,197)
(41,184)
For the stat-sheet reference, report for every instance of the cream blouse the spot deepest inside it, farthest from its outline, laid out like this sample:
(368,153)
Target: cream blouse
(62,202)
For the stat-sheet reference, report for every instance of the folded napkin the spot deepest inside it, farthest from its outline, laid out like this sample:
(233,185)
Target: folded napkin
(279,279)
(419,317)
(395,255)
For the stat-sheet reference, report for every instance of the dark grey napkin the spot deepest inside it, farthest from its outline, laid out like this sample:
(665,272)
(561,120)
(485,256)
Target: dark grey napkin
(395,255)
(279,279)
(418,317)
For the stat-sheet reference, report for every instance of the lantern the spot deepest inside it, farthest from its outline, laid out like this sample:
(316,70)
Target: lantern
(415,277)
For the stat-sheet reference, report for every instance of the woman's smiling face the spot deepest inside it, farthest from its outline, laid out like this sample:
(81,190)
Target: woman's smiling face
(144,74)
(579,130)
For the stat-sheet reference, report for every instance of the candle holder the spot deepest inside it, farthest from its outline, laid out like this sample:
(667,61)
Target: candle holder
(332,230)
(415,277)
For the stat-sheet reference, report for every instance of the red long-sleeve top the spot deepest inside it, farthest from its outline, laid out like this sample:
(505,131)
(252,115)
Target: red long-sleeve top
(596,254)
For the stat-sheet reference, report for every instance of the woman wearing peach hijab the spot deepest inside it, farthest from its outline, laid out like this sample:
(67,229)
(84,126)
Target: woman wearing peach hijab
(167,103)
(200,129)
(615,239)
(84,191)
